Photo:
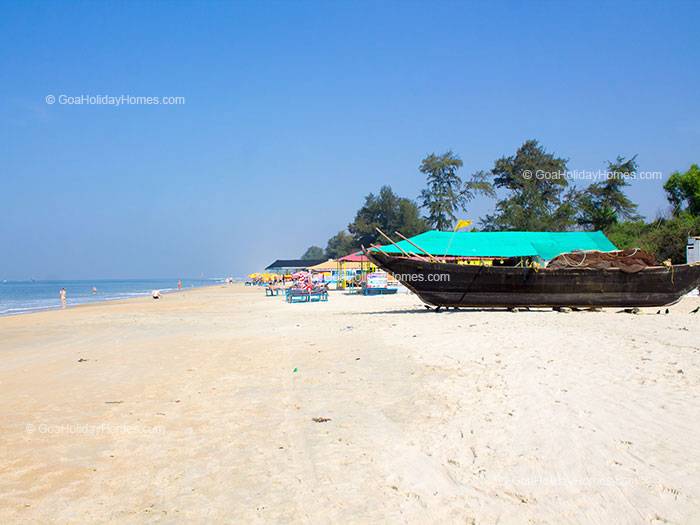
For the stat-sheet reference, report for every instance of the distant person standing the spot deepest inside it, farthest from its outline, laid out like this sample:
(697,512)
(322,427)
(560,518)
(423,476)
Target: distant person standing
(63,297)
(179,285)
(94,289)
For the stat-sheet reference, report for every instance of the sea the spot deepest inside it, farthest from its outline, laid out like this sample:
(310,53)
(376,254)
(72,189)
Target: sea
(19,297)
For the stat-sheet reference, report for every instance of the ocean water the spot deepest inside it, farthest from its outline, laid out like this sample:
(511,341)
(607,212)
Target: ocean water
(18,297)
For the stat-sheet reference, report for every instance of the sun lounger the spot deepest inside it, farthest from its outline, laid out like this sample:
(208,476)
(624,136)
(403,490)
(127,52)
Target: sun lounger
(379,291)
(306,296)
(270,292)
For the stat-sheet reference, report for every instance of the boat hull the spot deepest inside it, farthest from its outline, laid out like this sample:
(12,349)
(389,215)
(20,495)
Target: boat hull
(447,284)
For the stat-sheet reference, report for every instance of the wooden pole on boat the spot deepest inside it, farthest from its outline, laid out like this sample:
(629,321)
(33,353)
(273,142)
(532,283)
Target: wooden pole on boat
(375,247)
(410,253)
(460,224)
(448,244)
(399,247)
(389,239)
(414,244)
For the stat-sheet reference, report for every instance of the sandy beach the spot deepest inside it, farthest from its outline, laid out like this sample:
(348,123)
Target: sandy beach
(223,405)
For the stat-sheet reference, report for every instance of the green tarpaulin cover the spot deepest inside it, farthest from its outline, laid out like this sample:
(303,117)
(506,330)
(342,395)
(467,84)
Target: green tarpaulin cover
(546,245)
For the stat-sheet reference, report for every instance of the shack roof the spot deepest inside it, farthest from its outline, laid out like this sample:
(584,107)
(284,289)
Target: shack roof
(280,264)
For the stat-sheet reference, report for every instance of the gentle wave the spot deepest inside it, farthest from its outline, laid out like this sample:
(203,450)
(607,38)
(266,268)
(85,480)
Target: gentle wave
(20,297)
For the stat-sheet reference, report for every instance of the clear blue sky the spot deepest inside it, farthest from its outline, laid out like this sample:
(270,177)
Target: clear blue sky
(296,110)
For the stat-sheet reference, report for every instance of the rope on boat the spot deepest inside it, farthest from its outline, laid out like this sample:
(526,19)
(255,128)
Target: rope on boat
(574,265)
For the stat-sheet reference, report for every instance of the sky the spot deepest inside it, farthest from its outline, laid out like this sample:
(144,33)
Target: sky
(294,111)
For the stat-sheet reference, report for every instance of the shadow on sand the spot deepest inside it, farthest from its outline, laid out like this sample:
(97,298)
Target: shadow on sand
(443,311)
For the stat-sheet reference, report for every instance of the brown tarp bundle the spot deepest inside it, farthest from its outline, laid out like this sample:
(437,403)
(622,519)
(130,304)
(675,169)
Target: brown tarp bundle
(629,261)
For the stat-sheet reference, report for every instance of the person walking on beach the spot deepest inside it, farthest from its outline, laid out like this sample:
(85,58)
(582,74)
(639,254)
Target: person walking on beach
(179,285)
(63,297)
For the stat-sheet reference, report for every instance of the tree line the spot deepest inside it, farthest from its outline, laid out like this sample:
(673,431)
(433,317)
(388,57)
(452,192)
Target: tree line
(533,193)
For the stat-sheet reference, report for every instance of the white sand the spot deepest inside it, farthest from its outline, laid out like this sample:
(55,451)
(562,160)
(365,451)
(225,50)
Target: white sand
(468,416)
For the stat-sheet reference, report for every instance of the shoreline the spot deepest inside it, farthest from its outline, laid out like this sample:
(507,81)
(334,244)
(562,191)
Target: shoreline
(90,303)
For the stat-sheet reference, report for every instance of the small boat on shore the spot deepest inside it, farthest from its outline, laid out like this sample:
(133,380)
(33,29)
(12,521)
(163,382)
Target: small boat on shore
(458,285)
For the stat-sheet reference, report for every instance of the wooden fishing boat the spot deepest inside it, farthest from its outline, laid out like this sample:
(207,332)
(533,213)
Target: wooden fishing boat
(456,285)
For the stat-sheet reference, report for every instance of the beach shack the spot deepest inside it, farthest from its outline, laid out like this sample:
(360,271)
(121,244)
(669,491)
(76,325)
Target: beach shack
(351,267)
(325,271)
(331,270)
(290,266)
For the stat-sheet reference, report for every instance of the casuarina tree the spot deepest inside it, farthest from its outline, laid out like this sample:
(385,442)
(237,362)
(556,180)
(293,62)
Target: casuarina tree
(537,194)
(446,194)
(604,203)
